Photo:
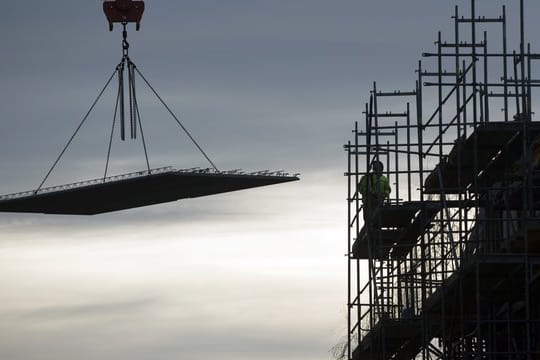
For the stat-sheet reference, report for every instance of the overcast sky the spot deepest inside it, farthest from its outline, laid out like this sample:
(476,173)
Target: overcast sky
(261,84)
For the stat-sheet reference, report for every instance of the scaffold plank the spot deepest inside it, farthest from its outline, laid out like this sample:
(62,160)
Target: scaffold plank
(400,336)
(495,144)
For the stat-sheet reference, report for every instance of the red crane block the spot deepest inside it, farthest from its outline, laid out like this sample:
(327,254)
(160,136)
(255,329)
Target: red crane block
(123,11)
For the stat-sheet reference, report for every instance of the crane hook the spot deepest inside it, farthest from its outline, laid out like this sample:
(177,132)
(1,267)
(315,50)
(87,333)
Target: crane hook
(123,11)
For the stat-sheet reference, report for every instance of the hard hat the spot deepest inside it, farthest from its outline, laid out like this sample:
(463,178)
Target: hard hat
(377,165)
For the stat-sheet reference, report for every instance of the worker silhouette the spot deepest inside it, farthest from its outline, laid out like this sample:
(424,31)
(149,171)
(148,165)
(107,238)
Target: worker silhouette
(374,188)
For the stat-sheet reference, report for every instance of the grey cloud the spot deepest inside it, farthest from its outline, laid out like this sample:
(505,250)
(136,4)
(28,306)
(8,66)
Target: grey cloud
(91,310)
(199,342)
(242,343)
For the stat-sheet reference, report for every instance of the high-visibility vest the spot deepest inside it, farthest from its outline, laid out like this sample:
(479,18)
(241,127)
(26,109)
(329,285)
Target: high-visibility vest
(368,185)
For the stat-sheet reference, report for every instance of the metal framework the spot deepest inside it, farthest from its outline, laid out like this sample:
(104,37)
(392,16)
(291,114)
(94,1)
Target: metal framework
(448,267)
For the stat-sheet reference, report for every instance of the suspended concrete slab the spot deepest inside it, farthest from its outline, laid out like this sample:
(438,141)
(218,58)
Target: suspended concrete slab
(136,190)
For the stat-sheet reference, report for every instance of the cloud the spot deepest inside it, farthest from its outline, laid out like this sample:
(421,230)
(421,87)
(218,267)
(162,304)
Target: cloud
(88,311)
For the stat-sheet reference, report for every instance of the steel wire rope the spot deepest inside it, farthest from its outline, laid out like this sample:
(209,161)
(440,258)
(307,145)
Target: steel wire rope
(112,134)
(176,118)
(137,116)
(76,131)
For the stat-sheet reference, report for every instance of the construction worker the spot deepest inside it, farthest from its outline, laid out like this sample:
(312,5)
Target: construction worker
(374,188)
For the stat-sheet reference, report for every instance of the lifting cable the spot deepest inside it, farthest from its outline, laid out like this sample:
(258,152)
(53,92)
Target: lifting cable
(75,133)
(137,118)
(112,134)
(176,118)
(134,114)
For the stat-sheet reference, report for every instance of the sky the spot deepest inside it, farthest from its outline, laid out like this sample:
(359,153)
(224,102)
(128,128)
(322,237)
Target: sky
(261,84)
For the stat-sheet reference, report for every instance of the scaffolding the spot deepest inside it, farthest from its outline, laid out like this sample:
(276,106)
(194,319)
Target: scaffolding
(448,266)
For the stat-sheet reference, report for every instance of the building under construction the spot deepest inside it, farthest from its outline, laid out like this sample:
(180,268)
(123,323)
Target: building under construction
(448,266)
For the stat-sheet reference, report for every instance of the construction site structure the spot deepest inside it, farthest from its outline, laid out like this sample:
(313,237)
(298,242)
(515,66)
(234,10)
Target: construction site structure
(448,266)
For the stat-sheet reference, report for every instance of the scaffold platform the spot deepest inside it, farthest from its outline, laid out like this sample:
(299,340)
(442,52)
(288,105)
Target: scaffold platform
(402,340)
(483,154)
(502,274)
(397,229)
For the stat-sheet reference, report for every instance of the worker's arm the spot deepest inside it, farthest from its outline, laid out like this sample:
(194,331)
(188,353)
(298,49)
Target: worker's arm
(385,186)
(362,186)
